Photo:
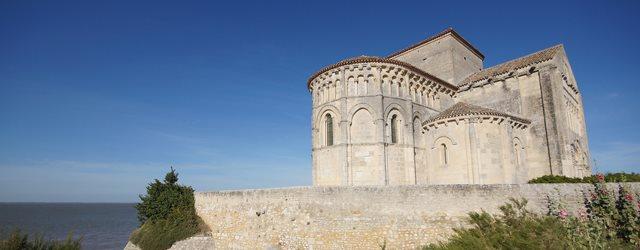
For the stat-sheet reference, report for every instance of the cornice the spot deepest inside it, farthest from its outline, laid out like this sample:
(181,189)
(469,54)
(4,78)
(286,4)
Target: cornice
(474,118)
(371,59)
(462,109)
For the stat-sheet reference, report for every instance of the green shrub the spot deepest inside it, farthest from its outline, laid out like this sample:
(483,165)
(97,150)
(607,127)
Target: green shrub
(628,218)
(515,228)
(556,179)
(167,214)
(606,222)
(609,177)
(17,240)
(163,198)
(621,177)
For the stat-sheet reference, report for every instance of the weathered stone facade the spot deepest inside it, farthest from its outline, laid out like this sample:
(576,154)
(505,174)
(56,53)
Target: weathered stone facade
(402,217)
(385,129)
(430,114)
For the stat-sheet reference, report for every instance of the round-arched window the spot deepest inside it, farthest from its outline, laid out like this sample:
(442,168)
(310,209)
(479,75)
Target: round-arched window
(328,129)
(394,129)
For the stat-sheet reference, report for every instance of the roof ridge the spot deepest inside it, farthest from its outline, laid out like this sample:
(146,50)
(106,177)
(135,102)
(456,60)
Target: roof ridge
(520,62)
(527,55)
(448,30)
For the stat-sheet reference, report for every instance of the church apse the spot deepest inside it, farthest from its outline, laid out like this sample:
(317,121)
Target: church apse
(431,114)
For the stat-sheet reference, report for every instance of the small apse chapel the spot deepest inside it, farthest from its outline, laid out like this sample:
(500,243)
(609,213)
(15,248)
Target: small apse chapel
(431,114)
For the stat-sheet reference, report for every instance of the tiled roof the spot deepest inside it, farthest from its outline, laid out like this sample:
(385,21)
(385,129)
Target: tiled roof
(429,39)
(462,109)
(369,59)
(521,62)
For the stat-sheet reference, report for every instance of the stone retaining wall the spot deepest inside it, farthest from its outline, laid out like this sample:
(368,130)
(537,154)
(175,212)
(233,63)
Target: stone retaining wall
(404,217)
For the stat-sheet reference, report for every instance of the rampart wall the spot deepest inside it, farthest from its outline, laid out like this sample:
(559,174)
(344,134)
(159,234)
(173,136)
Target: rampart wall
(402,217)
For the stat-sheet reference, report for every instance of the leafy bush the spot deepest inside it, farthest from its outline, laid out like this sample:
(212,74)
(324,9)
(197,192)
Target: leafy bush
(167,214)
(606,222)
(609,177)
(515,228)
(17,240)
(556,179)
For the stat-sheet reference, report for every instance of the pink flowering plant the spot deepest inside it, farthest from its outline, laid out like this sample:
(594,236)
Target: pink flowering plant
(601,207)
(610,219)
(627,219)
(606,218)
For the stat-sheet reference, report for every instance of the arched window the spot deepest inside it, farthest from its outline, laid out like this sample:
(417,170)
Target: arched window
(444,157)
(417,132)
(329,129)
(394,129)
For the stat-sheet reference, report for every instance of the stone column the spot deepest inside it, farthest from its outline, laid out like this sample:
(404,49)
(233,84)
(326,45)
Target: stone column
(411,164)
(509,166)
(314,134)
(344,129)
(473,151)
(380,122)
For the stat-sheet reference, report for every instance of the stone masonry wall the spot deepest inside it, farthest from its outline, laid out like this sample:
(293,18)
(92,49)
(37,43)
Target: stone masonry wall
(404,217)
(445,57)
(547,95)
(360,99)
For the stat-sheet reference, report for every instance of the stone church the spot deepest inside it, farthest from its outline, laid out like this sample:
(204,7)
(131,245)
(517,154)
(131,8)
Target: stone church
(431,114)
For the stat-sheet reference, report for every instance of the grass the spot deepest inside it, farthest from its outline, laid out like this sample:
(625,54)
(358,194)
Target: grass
(161,234)
(17,240)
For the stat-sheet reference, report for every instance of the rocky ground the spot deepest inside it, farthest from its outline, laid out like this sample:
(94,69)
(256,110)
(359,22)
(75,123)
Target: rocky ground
(198,242)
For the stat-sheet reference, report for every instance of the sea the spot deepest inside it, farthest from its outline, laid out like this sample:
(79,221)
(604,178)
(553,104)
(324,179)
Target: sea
(100,225)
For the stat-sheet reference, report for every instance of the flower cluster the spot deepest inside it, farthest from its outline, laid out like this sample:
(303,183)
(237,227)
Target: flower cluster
(600,177)
(563,214)
(604,217)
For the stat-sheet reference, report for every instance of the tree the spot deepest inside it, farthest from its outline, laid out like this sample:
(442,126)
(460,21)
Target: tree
(163,198)
(167,214)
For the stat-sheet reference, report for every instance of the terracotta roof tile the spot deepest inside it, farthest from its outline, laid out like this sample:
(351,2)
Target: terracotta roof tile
(521,62)
(463,109)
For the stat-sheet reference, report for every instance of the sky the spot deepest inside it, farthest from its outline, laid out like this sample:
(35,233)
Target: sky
(98,98)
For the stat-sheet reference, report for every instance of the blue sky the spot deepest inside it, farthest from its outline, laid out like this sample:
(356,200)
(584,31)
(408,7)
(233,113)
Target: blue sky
(99,98)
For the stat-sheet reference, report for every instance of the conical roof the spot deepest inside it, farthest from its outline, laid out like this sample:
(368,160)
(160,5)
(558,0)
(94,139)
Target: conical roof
(464,109)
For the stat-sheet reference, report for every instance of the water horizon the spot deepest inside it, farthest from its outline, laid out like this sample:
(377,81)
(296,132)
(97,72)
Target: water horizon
(101,225)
